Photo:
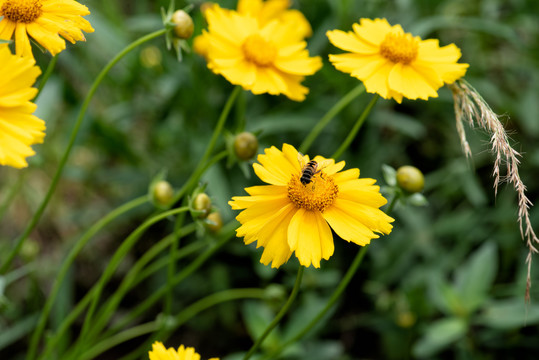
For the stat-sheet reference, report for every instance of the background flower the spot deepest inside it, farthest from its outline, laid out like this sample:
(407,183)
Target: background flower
(45,21)
(159,352)
(395,64)
(19,129)
(261,57)
(289,216)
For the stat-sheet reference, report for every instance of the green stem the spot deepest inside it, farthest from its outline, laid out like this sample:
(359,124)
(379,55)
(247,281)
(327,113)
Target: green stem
(228,232)
(356,128)
(334,297)
(13,191)
(35,218)
(118,256)
(191,311)
(129,282)
(216,132)
(69,261)
(393,202)
(336,294)
(174,245)
(46,76)
(279,316)
(326,119)
(119,338)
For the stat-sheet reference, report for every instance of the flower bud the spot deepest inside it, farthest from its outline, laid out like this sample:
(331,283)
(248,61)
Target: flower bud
(410,178)
(245,145)
(202,202)
(214,221)
(163,192)
(183,24)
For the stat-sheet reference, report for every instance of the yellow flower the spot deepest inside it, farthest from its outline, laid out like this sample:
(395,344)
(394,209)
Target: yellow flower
(159,352)
(45,21)
(294,213)
(395,64)
(266,11)
(19,129)
(262,57)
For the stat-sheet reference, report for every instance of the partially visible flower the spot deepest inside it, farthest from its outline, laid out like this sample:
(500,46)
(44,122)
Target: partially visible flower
(45,21)
(296,212)
(19,128)
(395,64)
(264,57)
(266,11)
(159,352)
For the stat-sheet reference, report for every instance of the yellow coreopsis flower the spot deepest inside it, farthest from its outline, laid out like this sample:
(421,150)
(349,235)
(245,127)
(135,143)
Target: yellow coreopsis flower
(395,64)
(19,128)
(263,57)
(45,21)
(304,201)
(159,352)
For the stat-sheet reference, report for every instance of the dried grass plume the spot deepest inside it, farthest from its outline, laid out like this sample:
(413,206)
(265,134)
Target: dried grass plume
(472,108)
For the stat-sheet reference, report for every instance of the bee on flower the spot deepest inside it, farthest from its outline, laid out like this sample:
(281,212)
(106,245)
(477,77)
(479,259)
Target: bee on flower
(295,213)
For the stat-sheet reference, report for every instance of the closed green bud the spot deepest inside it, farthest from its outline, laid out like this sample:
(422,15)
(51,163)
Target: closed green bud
(410,179)
(163,192)
(202,203)
(245,145)
(214,221)
(183,24)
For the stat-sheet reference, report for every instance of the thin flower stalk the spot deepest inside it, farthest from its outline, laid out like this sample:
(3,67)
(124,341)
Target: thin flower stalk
(470,107)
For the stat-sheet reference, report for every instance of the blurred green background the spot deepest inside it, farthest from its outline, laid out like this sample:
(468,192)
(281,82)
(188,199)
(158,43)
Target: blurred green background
(449,281)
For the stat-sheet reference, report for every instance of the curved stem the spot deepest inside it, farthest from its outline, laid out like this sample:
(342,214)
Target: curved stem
(334,297)
(130,280)
(228,231)
(216,132)
(69,261)
(115,261)
(35,219)
(46,76)
(279,316)
(12,192)
(356,128)
(177,321)
(325,120)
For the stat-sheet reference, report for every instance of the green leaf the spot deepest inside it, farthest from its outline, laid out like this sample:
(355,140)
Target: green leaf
(475,277)
(444,297)
(509,314)
(257,317)
(438,336)
(390,175)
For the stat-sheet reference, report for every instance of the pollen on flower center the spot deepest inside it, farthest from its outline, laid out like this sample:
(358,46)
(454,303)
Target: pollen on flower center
(256,49)
(399,48)
(25,11)
(318,195)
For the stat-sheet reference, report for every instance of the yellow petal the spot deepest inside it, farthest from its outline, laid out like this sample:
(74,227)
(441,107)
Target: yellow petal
(405,80)
(310,237)
(372,31)
(349,41)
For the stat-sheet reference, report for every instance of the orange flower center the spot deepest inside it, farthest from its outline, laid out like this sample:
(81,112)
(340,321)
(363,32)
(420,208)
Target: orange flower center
(25,11)
(318,195)
(399,48)
(259,51)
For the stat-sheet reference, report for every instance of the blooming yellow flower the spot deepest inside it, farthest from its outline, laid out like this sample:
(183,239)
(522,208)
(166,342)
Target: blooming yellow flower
(19,129)
(45,21)
(395,64)
(264,57)
(294,213)
(159,352)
